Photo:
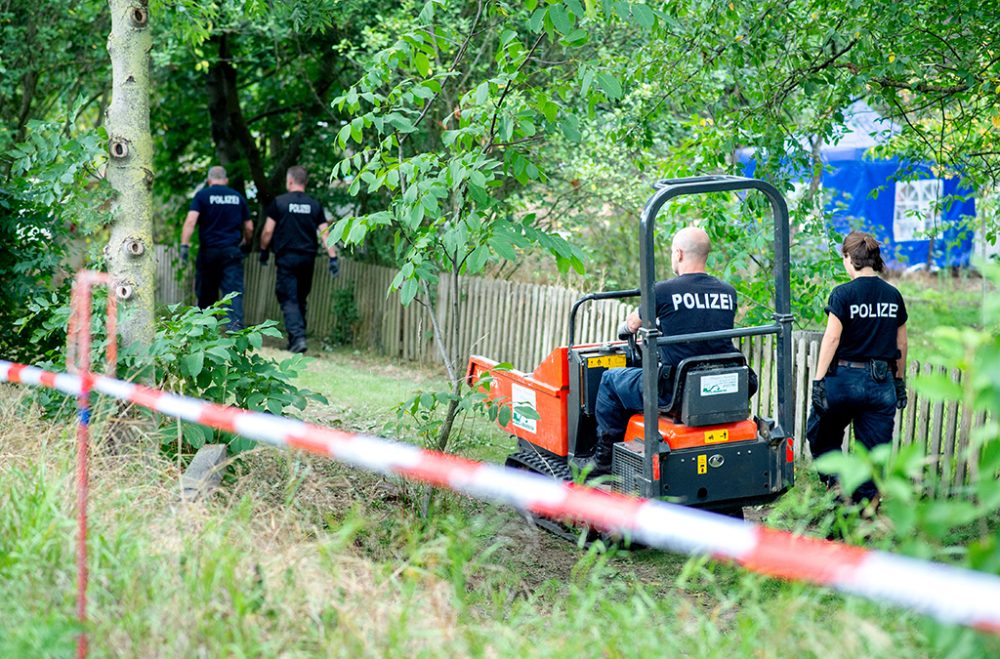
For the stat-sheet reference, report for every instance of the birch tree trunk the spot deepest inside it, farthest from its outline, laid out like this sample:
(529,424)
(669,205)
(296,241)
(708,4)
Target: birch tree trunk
(129,252)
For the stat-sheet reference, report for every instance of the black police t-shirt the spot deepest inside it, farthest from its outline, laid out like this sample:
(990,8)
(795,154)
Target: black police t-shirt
(695,302)
(871,311)
(297,216)
(221,214)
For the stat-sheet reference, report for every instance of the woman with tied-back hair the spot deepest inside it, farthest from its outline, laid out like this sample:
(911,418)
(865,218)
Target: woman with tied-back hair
(862,359)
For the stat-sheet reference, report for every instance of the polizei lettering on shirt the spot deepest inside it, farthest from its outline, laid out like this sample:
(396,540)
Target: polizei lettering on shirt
(722,301)
(227,199)
(299,208)
(874,310)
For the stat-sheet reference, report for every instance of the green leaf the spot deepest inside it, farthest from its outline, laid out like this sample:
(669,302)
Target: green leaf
(482,93)
(477,259)
(503,246)
(344,135)
(562,20)
(503,415)
(852,470)
(423,91)
(570,127)
(549,109)
(422,63)
(195,435)
(612,88)
(528,412)
(938,386)
(588,79)
(643,16)
(408,291)
(357,234)
(577,37)
(193,363)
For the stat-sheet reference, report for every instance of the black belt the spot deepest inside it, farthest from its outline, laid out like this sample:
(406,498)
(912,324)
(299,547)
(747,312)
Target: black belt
(849,364)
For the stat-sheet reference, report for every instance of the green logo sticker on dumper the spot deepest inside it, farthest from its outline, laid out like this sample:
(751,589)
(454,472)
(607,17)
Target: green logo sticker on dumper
(716,385)
(525,412)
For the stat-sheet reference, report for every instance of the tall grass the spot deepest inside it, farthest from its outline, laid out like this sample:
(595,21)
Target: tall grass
(298,556)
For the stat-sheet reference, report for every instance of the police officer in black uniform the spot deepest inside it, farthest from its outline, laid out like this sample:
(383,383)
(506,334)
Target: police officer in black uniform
(224,227)
(862,359)
(694,301)
(294,221)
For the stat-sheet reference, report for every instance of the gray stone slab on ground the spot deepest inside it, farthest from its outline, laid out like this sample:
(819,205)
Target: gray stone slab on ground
(204,474)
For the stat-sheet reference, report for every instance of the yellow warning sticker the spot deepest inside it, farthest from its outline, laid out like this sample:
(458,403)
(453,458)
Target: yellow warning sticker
(702,464)
(716,436)
(606,361)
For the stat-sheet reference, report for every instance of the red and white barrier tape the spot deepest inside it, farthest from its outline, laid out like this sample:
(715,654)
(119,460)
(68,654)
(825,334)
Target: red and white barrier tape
(948,593)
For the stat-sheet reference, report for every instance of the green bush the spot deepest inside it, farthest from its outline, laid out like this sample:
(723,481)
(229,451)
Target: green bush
(51,206)
(345,317)
(193,355)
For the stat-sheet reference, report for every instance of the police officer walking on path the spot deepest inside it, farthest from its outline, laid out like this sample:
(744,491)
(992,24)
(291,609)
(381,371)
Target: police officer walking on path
(294,220)
(223,220)
(693,301)
(862,359)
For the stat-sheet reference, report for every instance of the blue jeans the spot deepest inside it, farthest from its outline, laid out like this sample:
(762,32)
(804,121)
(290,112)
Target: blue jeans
(220,268)
(292,286)
(854,396)
(618,397)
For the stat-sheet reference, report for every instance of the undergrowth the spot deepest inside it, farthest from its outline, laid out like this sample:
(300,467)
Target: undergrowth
(304,557)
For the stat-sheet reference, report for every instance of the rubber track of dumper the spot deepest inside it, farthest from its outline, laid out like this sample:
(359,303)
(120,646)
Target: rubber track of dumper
(535,462)
(531,461)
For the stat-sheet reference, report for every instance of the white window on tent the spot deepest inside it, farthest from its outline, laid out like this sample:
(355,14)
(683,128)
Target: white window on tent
(917,208)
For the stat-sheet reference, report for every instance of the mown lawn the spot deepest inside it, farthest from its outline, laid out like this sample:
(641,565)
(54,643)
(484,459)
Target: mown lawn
(298,556)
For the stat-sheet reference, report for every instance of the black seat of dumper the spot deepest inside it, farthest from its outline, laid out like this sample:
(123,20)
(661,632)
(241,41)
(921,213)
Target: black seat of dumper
(710,389)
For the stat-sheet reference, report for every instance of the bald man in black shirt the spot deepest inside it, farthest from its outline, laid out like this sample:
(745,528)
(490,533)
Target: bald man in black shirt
(693,301)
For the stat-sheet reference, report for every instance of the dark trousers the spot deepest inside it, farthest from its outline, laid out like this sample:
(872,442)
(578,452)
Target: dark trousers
(294,281)
(854,396)
(619,396)
(220,269)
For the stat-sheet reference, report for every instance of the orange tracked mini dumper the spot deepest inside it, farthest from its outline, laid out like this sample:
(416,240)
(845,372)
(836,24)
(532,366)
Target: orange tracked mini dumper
(703,450)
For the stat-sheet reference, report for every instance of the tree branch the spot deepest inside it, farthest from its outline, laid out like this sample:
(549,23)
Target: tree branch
(503,96)
(454,63)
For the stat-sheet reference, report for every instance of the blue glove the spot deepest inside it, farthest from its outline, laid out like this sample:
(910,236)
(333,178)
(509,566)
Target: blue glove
(334,266)
(185,253)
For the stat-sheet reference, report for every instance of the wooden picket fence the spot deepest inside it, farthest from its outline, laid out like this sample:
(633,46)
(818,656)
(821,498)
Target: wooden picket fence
(522,323)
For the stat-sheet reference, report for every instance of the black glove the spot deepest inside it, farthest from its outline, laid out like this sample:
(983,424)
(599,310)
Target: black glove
(246,248)
(185,253)
(623,330)
(334,266)
(900,393)
(820,403)
(265,256)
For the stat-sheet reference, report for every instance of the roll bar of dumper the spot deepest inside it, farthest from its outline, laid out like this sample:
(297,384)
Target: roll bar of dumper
(667,189)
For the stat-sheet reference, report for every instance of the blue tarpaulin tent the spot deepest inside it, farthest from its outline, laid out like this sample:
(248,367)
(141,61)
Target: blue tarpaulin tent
(863,193)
